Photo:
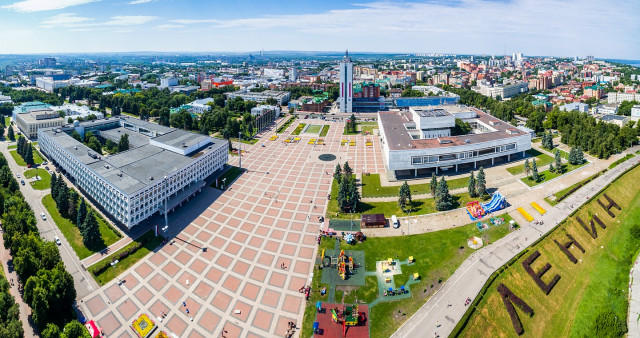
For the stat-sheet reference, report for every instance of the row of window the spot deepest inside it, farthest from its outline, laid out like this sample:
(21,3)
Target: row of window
(415,160)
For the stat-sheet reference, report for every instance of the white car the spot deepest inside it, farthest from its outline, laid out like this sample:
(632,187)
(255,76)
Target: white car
(44,217)
(18,175)
(57,240)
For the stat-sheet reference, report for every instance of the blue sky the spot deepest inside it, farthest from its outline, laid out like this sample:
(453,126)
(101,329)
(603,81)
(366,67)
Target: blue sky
(608,29)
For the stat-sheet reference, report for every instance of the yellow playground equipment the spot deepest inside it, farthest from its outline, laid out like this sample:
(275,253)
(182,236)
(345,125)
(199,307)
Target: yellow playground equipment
(349,316)
(344,262)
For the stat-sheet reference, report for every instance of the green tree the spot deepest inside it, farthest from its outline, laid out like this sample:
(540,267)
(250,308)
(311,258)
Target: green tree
(348,172)
(579,156)
(433,184)
(337,173)
(552,169)
(481,183)
(28,158)
(527,167)
(352,123)
(95,145)
(90,230)
(10,134)
(54,187)
(76,136)
(74,329)
(343,195)
(404,196)
(123,144)
(52,331)
(82,213)
(471,186)
(534,171)
(354,195)
(558,160)
(62,200)
(443,199)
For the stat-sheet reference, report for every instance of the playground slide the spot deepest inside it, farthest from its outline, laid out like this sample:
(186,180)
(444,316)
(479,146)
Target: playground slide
(496,203)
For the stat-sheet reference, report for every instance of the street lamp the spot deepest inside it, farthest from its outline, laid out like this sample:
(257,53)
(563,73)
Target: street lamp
(113,264)
(224,183)
(351,220)
(240,149)
(408,221)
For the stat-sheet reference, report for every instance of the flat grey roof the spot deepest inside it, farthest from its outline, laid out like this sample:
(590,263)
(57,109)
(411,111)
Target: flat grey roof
(177,138)
(431,112)
(147,125)
(135,139)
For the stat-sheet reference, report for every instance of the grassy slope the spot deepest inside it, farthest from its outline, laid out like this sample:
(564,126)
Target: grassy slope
(72,233)
(546,175)
(598,282)
(230,175)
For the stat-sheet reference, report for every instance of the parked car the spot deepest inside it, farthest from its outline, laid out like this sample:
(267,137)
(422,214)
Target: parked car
(22,182)
(18,175)
(46,167)
(394,221)
(57,240)
(44,217)
(45,163)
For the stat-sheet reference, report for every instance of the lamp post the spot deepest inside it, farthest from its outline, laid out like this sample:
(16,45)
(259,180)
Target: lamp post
(408,221)
(113,264)
(351,220)
(224,183)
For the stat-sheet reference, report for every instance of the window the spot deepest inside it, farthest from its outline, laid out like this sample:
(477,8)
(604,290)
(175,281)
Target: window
(510,146)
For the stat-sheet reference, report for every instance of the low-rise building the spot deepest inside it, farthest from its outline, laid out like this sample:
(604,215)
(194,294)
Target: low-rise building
(606,109)
(281,97)
(161,171)
(575,106)
(618,120)
(74,111)
(32,116)
(615,97)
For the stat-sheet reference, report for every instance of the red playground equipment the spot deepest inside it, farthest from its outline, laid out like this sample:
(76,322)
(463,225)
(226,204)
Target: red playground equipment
(475,209)
(349,316)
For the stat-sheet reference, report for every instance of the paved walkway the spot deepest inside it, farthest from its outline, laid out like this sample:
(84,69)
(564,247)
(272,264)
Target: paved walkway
(266,220)
(10,274)
(471,276)
(634,301)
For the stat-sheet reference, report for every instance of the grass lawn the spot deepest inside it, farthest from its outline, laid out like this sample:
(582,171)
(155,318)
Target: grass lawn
(230,175)
(45,178)
(286,124)
(13,146)
(298,129)
(542,159)
(7,121)
(616,163)
(596,284)
(367,293)
(37,159)
(364,129)
(547,175)
(314,129)
(563,154)
(371,186)
(437,256)
(124,264)
(419,207)
(325,130)
(72,233)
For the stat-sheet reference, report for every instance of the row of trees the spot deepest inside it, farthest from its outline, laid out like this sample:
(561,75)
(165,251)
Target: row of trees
(67,204)
(547,140)
(48,287)
(10,324)
(348,194)
(477,186)
(25,150)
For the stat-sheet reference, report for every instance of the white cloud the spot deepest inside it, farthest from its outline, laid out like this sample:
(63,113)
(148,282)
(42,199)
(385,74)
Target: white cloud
(138,2)
(168,26)
(128,20)
(44,5)
(65,20)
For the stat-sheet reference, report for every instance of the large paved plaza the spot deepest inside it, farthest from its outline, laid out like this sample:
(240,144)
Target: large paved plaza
(267,219)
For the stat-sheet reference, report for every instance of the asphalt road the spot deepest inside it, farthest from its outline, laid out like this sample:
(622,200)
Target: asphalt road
(84,283)
(440,314)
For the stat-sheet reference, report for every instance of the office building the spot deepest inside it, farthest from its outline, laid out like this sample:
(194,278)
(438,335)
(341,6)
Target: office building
(47,62)
(5,99)
(32,116)
(74,111)
(501,91)
(575,106)
(281,97)
(419,141)
(615,97)
(345,100)
(163,168)
(635,111)
(168,82)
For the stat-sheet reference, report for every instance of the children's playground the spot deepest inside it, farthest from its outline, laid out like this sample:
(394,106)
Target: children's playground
(341,320)
(477,210)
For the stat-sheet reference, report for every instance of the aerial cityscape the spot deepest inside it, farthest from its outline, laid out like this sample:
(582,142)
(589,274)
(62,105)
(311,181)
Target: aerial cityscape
(275,169)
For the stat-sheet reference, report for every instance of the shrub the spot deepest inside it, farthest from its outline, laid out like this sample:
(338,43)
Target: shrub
(509,299)
(526,264)
(635,231)
(607,324)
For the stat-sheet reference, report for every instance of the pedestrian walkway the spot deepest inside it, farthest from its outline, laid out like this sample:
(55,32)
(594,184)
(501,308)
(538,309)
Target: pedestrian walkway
(12,278)
(634,301)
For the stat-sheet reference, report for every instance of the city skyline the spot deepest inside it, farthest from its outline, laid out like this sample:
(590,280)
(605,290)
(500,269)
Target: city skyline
(460,27)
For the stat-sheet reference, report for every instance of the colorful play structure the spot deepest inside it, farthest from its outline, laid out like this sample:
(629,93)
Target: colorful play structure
(343,263)
(348,317)
(477,210)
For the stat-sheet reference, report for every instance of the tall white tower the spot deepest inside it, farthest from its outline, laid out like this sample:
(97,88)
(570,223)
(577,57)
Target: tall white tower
(346,84)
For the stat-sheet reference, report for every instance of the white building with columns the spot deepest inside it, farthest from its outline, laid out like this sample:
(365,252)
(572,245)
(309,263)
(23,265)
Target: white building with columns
(420,141)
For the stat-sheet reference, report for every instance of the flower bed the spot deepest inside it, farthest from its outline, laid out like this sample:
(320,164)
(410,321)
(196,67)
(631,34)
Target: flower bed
(143,326)
(537,277)
(509,298)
